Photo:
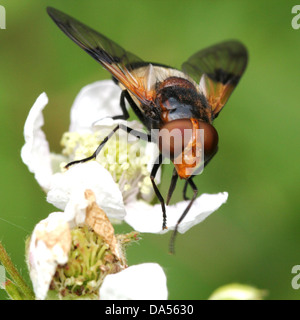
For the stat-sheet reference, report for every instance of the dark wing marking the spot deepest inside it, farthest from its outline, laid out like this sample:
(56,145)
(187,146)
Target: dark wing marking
(111,56)
(218,69)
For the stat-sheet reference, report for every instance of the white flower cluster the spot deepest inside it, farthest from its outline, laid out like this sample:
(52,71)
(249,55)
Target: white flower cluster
(120,190)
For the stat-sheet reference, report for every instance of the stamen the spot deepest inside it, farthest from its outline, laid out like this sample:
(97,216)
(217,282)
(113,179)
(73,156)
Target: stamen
(125,160)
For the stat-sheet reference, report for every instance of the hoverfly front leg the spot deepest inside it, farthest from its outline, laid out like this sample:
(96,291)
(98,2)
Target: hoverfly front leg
(195,191)
(184,191)
(185,197)
(125,114)
(154,170)
(172,185)
(136,133)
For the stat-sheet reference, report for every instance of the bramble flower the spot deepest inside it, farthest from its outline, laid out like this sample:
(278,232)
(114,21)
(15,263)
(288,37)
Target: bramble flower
(146,218)
(70,254)
(75,252)
(145,281)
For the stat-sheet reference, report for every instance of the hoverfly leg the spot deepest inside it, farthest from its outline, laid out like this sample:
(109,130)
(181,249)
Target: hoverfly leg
(185,197)
(94,155)
(154,170)
(125,114)
(172,185)
(184,191)
(79,161)
(195,191)
(134,107)
(136,133)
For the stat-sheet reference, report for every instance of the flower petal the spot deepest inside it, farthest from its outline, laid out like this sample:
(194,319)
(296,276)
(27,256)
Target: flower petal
(90,175)
(145,281)
(49,246)
(146,218)
(95,101)
(35,152)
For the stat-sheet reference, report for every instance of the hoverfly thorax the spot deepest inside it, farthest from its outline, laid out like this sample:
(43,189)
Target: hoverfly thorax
(179,98)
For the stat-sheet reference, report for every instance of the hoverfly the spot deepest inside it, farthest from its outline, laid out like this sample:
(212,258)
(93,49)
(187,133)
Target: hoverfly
(163,97)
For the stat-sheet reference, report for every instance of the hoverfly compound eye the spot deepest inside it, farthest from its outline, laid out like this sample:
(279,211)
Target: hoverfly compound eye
(174,136)
(211,139)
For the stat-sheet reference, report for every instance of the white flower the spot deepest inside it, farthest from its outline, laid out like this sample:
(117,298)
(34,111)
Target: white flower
(145,281)
(51,240)
(120,189)
(146,218)
(49,247)
(94,102)
(35,153)
(121,186)
(53,245)
(91,175)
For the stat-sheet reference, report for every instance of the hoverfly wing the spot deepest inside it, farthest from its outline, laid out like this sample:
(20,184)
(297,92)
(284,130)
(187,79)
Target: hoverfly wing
(218,69)
(110,55)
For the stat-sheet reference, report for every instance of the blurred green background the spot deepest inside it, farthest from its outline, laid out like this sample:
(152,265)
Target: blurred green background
(254,238)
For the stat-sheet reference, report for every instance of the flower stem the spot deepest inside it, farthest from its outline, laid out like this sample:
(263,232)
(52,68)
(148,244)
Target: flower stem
(13,291)
(19,282)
